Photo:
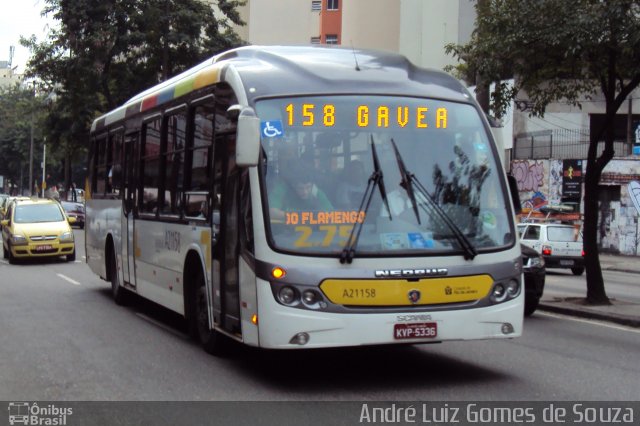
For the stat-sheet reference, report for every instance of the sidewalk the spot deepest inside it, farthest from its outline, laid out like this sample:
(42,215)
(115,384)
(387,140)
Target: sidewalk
(620,311)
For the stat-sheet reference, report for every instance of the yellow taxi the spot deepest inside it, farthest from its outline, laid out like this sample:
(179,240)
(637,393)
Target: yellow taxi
(37,228)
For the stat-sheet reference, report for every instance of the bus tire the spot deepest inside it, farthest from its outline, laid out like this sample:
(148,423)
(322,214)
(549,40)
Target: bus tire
(118,292)
(210,340)
(530,305)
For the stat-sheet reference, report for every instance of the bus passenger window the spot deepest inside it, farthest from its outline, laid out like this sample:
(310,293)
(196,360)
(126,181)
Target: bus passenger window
(150,164)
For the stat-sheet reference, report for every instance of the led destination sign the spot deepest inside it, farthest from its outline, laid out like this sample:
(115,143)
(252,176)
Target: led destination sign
(379,116)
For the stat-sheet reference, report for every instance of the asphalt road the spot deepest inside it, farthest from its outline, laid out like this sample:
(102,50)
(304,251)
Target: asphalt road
(618,285)
(63,339)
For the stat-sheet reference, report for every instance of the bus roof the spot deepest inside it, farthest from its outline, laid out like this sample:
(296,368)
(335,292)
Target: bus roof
(278,71)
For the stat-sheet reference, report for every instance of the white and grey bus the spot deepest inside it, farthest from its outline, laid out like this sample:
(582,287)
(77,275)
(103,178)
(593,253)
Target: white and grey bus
(306,197)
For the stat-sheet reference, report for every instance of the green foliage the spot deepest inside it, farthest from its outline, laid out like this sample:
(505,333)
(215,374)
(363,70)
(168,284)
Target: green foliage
(557,50)
(105,51)
(561,51)
(20,108)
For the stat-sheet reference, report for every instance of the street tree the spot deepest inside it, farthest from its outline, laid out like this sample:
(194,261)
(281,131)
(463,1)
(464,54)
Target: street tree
(561,51)
(102,52)
(23,112)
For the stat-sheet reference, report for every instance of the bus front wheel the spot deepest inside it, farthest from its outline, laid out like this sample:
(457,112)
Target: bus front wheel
(211,340)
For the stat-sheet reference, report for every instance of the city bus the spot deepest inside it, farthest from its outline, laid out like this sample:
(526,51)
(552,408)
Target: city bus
(291,197)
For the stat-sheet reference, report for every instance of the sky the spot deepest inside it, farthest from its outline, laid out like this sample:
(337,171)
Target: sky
(20,17)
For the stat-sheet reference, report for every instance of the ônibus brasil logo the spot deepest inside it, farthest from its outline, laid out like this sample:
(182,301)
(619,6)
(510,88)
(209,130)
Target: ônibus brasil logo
(27,413)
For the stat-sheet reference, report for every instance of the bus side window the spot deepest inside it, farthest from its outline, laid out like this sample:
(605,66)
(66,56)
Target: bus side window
(150,164)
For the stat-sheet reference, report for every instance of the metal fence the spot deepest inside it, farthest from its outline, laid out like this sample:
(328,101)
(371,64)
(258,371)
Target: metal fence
(560,145)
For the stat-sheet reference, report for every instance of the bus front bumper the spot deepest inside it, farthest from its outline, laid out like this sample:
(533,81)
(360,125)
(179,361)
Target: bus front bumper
(281,327)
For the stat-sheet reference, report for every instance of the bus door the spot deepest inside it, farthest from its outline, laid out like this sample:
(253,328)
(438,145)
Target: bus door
(226,188)
(128,230)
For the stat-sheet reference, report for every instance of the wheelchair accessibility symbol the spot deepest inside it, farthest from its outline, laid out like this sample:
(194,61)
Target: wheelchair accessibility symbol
(272,129)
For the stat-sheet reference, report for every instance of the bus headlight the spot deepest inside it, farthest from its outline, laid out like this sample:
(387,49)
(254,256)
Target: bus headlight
(513,288)
(287,295)
(309,297)
(499,293)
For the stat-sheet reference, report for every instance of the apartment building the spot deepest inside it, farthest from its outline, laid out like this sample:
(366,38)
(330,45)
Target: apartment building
(418,29)
(7,75)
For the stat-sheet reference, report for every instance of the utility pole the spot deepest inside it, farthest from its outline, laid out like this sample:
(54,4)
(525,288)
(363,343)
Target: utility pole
(31,146)
(44,165)
(630,127)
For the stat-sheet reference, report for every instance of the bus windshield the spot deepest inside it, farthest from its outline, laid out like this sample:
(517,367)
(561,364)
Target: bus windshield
(320,155)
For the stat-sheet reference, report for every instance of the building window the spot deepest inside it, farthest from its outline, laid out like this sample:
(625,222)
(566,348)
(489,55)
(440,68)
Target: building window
(315,40)
(316,5)
(331,39)
(332,4)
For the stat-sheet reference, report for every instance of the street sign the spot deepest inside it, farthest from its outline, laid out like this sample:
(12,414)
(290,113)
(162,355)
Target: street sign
(634,193)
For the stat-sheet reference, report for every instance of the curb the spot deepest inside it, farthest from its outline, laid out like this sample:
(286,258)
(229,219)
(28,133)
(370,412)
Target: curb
(581,313)
(617,269)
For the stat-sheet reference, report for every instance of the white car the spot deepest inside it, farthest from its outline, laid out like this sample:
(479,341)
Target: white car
(559,244)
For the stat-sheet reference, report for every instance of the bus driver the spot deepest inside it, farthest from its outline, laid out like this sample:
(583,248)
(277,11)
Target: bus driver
(296,192)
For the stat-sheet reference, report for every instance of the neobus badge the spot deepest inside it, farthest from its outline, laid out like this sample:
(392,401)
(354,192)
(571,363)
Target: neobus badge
(430,272)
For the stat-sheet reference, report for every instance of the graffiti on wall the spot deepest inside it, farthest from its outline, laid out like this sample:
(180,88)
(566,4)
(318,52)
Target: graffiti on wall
(536,201)
(555,181)
(529,175)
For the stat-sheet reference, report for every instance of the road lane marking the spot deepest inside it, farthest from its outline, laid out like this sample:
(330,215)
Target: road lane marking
(72,281)
(586,321)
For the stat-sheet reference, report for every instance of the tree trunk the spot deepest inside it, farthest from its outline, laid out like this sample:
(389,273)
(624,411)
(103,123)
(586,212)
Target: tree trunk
(596,294)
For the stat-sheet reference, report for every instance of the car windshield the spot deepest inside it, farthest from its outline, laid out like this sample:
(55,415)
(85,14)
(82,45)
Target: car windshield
(36,213)
(72,207)
(318,161)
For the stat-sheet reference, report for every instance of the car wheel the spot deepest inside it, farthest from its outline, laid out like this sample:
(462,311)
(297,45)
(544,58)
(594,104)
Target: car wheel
(118,292)
(72,257)
(10,256)
(530,305)
(211,340)
(577,270)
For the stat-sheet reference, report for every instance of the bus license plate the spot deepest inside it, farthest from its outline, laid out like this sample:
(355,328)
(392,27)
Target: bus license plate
(43,248)
(415,331)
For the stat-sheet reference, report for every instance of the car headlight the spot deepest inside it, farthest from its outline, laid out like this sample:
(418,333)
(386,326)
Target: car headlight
(18,240)
(66,237)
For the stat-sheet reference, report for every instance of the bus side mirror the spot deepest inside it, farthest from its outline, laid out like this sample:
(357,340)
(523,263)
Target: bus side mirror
(248,139)
(515,195)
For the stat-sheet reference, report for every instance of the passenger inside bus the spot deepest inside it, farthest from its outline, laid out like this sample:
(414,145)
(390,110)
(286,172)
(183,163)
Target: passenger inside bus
(296,191)
(352,186)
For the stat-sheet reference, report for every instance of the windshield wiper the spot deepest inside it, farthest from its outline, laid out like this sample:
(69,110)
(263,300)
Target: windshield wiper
(376,179)
(408,182)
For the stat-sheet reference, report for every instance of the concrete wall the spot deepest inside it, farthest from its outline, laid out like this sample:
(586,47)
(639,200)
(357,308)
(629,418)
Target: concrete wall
(279,22)
(541,180)
(428,26)
(372,24)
